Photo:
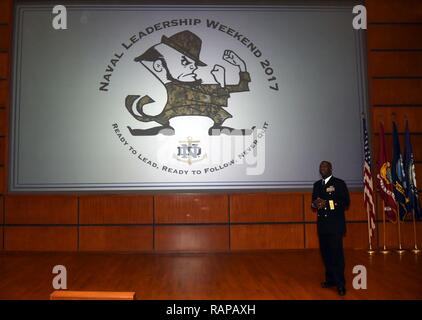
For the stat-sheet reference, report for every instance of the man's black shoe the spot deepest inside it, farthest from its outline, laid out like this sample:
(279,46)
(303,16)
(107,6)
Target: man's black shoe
(327,284)
(341,291)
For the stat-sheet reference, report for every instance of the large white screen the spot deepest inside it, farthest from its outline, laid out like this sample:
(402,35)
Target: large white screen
(76,92)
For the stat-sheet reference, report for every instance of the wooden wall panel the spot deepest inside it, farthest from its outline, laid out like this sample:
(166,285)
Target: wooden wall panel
(356,211)
(356,236)
(1,238)
(395,63)
(5,11)
(266,207)
(3,120)
(4,37)
(267,236)
(394,10)
(116,238)
(311,236)
(192,238)
(387,114)
(191,208)
(116,209)
(1,210)
(395,36)
(2,151)
(41,209)
(310,214)
(406,232)
(408,235)
(396,92)
(4,95)
(40,238)
(4,65)
(3,179)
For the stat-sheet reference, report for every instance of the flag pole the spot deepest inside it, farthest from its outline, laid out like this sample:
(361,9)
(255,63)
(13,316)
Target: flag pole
(370,208)
(370,250)
(412,172)
(384,248)
(415,249)
(400,250)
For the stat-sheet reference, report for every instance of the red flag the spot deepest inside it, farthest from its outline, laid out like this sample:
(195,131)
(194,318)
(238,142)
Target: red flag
(385,183)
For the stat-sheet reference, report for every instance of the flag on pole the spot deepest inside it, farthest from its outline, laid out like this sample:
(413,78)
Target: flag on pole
(384,181)
(368,185)
(398,176)
(409,167)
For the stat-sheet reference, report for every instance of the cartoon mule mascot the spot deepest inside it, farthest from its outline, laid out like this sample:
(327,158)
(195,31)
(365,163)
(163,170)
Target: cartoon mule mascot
(174,62)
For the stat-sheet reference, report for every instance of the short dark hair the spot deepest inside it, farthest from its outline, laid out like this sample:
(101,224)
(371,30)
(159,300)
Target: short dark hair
(327,162)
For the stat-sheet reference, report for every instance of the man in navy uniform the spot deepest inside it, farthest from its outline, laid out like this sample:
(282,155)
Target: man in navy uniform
(330,197)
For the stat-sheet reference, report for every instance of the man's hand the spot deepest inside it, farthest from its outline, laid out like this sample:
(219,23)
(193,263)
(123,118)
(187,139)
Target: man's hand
(234,59)
(219,74)
(320,203)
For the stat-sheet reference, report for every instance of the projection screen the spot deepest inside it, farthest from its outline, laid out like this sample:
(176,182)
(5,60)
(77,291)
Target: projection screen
(136,97)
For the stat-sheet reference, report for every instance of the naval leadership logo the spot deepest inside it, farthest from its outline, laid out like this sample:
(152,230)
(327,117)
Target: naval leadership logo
(190,85)
(174,61)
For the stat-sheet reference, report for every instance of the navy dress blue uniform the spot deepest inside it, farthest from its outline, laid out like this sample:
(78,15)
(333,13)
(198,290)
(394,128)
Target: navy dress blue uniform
(331,224)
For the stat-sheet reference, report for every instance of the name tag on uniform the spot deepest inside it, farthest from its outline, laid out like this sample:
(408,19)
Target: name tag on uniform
(331,203)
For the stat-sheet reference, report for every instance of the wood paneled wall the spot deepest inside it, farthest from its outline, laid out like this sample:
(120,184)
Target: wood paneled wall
(395,85)
(5,50)
(229,221)
(169,222)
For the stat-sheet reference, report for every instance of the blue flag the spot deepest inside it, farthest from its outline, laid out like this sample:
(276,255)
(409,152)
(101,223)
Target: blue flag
(398,176)
(413,205)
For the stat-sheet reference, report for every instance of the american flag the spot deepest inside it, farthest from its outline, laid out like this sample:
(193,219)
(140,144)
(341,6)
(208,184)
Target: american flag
(368,191)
